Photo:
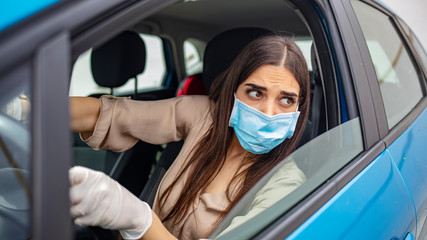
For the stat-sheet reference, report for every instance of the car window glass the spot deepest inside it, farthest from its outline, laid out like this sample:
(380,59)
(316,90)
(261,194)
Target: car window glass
(82,83)
(305,45)
(397,76)
(193,61)
(421,52)
(318,160)
(15,156)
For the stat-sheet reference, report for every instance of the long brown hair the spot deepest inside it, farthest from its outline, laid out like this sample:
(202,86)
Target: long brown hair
(208,156)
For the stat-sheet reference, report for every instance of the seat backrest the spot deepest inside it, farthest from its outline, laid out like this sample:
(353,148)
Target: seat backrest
(193,85)
(317,107)
(220,52)
(113,64)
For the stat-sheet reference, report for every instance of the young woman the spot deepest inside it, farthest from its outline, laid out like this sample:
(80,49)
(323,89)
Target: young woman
(252,119)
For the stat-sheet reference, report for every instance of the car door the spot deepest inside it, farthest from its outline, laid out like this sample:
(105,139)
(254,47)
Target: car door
(367,197)
(396,77)
(37,51)
(398,61)
(414,178)
(34,162)
(391,70)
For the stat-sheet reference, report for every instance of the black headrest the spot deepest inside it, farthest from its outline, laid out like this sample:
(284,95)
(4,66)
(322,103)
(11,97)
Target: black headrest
(119,59)
(221,50)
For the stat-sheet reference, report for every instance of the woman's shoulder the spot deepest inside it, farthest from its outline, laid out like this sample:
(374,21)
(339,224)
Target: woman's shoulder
(195,101)
(195,107)
(288,170)
(285,178)
(194,111)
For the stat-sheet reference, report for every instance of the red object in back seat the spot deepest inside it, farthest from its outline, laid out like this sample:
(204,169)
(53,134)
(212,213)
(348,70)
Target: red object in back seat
(193,86)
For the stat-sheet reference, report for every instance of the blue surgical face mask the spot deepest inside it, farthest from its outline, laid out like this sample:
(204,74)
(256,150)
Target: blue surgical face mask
(258,132)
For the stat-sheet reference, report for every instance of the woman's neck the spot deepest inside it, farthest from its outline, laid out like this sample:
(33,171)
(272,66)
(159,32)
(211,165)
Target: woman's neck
(236,151)
(238,157)
(233,165)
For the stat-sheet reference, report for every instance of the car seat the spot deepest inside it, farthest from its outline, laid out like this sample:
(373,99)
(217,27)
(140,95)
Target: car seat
(316,118)
(317,111)
(113,64)
(193,85)
(220,52)
(118,60)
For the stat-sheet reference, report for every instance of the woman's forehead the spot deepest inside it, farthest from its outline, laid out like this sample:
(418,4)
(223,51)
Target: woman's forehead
(274,78)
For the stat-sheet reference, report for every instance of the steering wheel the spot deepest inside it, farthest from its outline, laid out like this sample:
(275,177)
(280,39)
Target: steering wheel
(15,187)
(14,179)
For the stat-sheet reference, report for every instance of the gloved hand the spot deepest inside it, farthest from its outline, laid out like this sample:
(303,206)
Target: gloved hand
(98,200)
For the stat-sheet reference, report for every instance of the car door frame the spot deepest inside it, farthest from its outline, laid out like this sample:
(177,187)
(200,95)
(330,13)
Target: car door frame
(51,139)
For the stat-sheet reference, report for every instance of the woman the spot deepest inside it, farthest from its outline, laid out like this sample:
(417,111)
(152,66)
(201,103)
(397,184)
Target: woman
(232,139)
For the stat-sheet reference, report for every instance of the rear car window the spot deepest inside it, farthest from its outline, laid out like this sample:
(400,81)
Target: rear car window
(193,50)
(305,44)
(397,76)
(421,52)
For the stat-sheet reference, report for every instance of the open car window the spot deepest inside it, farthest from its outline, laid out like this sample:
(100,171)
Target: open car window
(266,201)
(319,160)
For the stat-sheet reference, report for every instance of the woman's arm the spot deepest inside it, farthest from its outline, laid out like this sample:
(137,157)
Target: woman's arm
(84,112)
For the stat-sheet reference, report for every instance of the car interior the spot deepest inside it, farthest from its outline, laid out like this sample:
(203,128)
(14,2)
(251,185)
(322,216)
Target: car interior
(216,32)
(153,50)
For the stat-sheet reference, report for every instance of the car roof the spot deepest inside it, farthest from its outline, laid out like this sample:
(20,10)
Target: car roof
(209,18)
(13,12)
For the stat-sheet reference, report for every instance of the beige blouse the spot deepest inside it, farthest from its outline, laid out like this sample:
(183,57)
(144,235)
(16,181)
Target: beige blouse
(122,122)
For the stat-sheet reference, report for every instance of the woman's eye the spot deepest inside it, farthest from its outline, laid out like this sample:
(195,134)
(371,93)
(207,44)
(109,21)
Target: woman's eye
(255,94)
(287,101)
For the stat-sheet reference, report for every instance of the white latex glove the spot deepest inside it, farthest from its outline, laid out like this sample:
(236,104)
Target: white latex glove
(98,200)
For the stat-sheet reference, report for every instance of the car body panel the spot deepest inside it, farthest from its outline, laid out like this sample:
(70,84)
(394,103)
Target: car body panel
(409,152)
(374,205)
(13,12)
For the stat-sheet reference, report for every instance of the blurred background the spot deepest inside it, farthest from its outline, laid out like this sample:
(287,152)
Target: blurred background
(414,14)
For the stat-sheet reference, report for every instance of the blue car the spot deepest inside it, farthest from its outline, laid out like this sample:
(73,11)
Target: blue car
(363,151)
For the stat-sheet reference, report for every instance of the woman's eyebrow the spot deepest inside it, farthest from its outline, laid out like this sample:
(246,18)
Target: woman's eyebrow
(254,86)
(291,94)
